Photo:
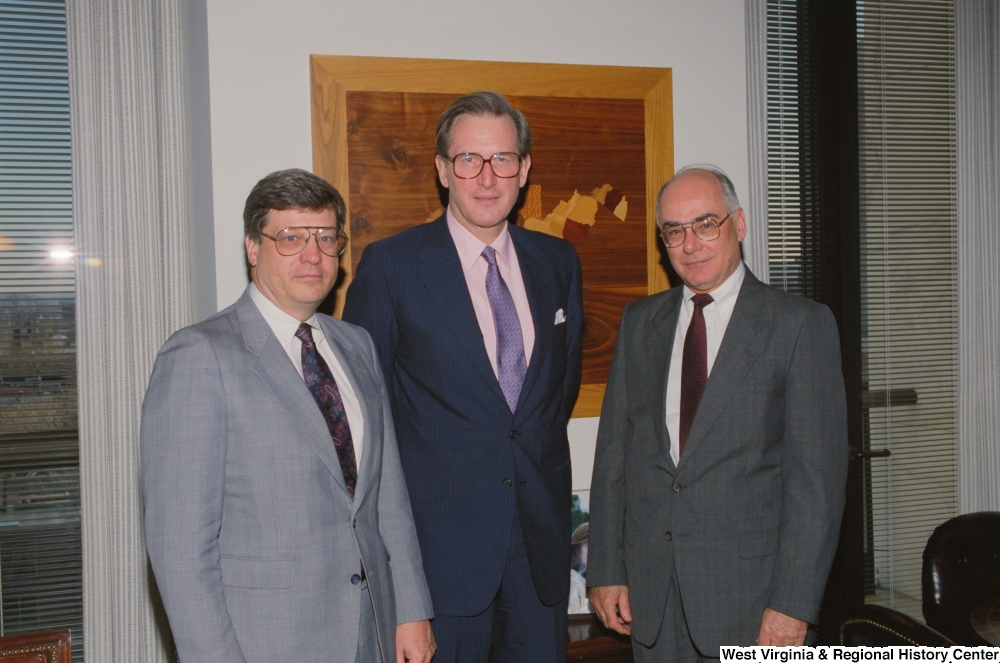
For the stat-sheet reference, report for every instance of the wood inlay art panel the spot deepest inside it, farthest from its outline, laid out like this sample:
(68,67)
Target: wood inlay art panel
(602,146)
(579,145)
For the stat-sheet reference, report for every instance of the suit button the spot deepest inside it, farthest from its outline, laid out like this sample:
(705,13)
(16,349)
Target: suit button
(355,523)
(355,579)
(677,488)
(668,536)
(507,482)
(514,434)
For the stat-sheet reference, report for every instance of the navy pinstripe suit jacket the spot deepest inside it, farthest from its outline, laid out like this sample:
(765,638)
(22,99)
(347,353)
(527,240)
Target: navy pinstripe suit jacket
(470,464)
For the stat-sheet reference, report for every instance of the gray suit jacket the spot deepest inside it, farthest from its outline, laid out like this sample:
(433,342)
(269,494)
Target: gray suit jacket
(750,517)
(252,536)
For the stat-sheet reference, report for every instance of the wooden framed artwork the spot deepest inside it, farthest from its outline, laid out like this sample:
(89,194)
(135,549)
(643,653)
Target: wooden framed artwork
(603,144)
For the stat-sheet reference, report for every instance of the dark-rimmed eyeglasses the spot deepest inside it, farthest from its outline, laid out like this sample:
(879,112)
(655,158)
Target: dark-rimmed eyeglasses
(468,165)
(290,241)
(706,229)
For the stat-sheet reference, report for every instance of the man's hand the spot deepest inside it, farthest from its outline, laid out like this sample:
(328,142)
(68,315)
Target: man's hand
(611,605)
(415,642)
(780,630)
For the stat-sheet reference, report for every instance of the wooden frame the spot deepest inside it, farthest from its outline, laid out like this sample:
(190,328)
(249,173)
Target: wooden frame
(334,76)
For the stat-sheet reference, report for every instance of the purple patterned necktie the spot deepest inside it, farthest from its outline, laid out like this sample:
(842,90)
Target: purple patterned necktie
(694,368)
(511,366)
(324,389)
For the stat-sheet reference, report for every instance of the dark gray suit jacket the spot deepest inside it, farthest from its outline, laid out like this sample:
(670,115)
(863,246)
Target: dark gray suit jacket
(750,517)
(253,538)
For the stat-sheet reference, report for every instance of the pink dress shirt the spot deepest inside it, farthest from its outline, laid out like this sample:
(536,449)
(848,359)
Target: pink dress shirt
(470,249)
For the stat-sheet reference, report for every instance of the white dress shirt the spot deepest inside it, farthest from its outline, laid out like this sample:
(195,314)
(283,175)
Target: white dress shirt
(717,315)
(474,266)
(284,326)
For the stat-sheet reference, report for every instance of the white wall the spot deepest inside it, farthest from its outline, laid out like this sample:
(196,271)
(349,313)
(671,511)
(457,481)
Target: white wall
(259,76)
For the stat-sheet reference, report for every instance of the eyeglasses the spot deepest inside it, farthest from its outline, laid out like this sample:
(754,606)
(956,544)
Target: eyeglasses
(468,165)
(707,229)
(291,241)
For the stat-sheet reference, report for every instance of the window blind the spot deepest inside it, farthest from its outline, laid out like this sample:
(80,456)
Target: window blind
(784,199)
(40,551)
(906,93)
(908,335)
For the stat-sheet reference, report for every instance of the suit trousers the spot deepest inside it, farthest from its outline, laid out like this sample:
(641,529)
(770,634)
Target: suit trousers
(516,628)
(673,644)
(368,647)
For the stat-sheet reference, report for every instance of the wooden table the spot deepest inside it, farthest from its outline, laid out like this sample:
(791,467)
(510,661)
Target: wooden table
(985,619)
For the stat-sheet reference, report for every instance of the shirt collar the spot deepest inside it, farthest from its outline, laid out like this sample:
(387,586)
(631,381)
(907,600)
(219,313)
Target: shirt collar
(282,325)
(723,297)
(470,247)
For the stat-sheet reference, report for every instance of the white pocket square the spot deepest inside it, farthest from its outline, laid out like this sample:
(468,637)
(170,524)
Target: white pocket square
(560,317)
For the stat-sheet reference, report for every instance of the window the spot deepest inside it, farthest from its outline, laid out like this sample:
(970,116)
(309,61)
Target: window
(905,234)
(909,284)
(40,550)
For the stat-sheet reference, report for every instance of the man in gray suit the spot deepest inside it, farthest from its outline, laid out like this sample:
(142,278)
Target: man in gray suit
(274,494)
(721,460)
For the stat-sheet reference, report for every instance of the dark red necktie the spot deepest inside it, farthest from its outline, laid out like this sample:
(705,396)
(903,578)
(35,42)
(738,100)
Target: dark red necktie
(694,368)
(324,389)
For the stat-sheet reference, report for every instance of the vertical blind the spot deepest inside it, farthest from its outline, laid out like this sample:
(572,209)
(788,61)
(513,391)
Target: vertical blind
(906,95)
(40,551)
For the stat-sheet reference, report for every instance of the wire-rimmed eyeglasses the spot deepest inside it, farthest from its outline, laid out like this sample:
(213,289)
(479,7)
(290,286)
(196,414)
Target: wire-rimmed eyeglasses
(290,241)
(706,229)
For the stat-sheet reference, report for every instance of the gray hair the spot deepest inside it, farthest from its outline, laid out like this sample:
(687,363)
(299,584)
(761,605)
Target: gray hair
(726,184)
(483,104)
(290,189)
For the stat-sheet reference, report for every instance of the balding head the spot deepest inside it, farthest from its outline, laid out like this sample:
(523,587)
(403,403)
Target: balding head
(725,184)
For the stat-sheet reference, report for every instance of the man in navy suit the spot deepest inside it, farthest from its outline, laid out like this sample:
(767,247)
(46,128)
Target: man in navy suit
(478,324)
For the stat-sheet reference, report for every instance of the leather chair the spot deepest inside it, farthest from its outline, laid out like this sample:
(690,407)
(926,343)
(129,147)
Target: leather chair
(876,626)
(41,647)
(961,569)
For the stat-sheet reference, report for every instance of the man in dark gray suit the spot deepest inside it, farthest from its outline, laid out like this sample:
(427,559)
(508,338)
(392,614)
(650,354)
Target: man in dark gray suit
(272,482)
(721,459)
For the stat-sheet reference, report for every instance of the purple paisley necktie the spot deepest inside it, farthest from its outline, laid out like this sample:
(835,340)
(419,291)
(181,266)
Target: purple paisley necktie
(324,389)
(511,366)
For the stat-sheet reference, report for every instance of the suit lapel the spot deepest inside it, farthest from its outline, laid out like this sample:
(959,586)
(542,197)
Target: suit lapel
(286,385)
(358,369)
(656,365)
(542,300)
(442,273)
(744,340)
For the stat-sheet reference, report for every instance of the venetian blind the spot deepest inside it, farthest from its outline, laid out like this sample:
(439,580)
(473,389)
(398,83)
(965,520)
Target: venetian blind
(40,550)
(906,94)
(784,199)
